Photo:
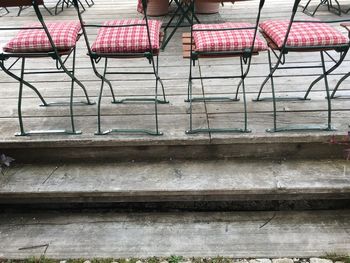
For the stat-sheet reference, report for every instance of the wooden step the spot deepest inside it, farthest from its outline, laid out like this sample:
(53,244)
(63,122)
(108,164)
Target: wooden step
(110,234)
(176,181)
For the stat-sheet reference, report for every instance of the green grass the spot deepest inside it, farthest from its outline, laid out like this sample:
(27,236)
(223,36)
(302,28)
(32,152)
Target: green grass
(335,257)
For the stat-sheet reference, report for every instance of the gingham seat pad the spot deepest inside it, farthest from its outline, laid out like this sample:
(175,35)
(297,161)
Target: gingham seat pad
(130,39)
(229,40)
(303,34)
(64,36)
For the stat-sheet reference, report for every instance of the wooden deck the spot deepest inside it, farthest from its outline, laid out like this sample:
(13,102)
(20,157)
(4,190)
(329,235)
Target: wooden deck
(174,118)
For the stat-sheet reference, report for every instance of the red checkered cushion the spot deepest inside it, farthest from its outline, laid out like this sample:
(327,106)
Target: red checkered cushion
(64,35)
(303,34)
(229,40)
(131,39)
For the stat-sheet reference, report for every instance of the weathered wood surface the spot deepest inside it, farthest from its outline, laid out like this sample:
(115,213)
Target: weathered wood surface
(239,234)
(176,181)
(174,71)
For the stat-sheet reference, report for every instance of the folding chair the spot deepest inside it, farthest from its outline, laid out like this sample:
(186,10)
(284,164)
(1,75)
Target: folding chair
(224,40)
(122,39)
(56,41)
(285,37)
(329,3)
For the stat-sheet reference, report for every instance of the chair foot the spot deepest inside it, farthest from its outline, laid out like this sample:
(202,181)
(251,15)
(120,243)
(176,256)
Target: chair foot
(340,97)
(130,131)
(48,132)
(302,128)
(139,100)
(77,103)
(281,99)
(217,130)
(201,99)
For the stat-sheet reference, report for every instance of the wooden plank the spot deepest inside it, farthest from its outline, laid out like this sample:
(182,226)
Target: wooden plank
(174,71)
(109,234)
(177,181)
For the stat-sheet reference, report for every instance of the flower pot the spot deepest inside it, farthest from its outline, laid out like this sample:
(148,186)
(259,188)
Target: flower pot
(203,7)
(155,7)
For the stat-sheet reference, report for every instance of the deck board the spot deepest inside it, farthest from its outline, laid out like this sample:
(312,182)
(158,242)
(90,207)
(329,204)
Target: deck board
(240,235)
(174,71)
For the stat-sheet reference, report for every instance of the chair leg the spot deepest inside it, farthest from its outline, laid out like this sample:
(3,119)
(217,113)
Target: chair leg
(306,6)
(328,127)
(272,70)
(218,130)
(161,82)
(19,79)
(20,10)
(22,132)
(155,100)
(89,4)
(71,74)
(337,86)
(337,9)
(99,130)
(183,11)
(57,5)
(73,131)
(322,2)
(190,131)
(189,96)
(155,66)
(237,90)
(88,102)
(329,103)
(6,11)
(266,79)
(156,107)
(48,10)
(335,66)
(242,82)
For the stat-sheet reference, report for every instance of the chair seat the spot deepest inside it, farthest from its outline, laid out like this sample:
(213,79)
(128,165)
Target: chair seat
(131,39)
(229,40)
(64,36)
(303,34)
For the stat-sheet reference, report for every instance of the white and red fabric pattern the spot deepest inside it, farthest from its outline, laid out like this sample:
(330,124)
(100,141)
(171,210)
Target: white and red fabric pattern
(226,40)
(64,36)
(129,39)
(303,34)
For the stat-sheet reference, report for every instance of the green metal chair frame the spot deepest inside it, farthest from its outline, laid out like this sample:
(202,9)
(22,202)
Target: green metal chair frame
(97,57)
(337,10)
(281,53)
(21,8)
(183,11)
(60,60)
(70,3)
(333,96)
(245,57)
(6,11)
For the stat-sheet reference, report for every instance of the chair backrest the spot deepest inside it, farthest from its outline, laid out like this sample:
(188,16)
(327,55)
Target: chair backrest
(292,18)
(14,3)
